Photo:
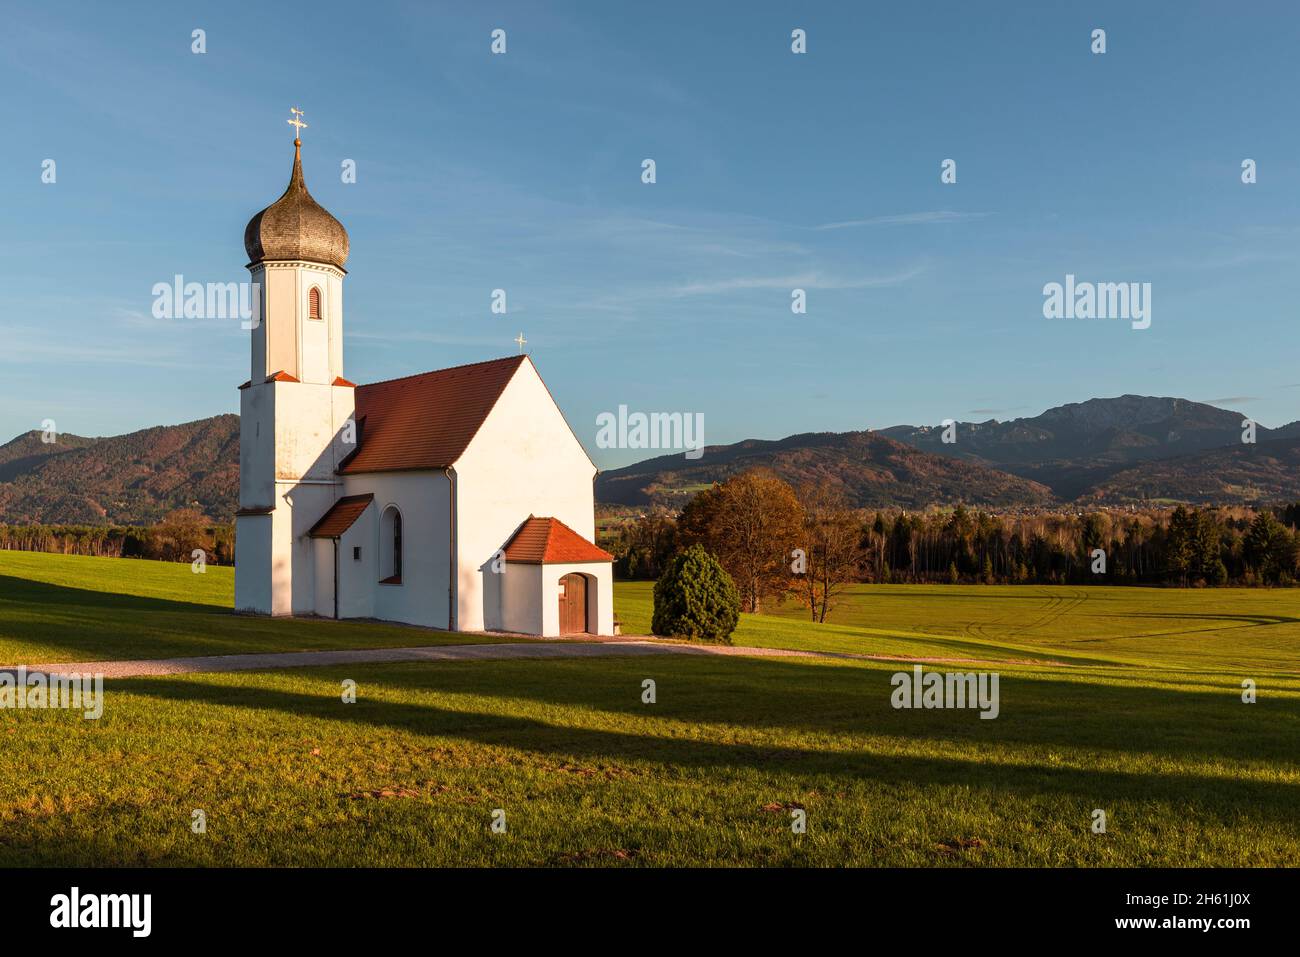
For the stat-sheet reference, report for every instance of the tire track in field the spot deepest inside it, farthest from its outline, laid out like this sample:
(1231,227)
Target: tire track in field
(980,630)
(1068,605)
(1056,608)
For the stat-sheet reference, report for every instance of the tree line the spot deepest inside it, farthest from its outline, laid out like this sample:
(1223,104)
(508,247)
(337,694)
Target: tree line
(804,541)
(173,539)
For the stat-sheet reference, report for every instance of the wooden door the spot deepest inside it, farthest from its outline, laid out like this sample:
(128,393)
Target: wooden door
(573,605)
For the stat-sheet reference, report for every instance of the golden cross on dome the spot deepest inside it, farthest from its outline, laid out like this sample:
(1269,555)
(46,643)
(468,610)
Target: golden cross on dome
(296,122)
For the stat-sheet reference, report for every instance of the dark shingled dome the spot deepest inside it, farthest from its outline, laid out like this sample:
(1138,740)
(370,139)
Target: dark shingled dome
(295,226)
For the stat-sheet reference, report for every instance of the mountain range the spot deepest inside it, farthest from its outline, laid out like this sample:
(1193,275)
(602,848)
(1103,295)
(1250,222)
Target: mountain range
(1128,449)
(1075,449)
(1118,450)
(132,479)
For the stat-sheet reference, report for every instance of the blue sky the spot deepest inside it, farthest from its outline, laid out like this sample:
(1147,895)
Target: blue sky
(775,171)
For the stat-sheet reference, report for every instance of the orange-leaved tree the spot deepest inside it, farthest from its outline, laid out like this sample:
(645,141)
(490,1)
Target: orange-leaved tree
(752,523)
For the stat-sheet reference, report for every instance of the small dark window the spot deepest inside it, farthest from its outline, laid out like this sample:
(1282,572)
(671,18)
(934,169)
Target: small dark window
(390,547)
(313,303)
(356,553)
(397,545)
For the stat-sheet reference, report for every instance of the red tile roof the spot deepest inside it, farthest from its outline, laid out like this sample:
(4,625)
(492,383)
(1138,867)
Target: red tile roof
(548,541)
(425,421)
(281,376)
(340,516)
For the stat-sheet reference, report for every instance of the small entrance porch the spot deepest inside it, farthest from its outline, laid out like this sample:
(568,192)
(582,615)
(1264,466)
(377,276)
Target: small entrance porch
(556,583)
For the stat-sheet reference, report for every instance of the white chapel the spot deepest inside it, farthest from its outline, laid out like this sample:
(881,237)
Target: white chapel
(458,499)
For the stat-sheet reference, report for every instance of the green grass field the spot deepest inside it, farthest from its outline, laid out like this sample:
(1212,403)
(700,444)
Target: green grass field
(1216,630)
(73,608)
(1131,704)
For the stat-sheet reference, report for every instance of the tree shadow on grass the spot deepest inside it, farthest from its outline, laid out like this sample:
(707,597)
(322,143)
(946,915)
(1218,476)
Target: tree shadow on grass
(1036,710)
(1271,800)
(819,699)
(45,622)
(107,836)
(1250,619)
(1222,623)
(30,591)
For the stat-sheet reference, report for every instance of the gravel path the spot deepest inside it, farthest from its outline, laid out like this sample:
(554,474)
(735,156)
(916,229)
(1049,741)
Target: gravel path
(484,652)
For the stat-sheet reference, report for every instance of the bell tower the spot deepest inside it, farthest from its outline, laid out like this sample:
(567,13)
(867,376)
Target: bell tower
(296,408)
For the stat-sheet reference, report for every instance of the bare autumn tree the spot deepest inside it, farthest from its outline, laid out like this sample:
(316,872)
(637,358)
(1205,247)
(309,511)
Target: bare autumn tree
(832,543)
(752,522)
(180,532)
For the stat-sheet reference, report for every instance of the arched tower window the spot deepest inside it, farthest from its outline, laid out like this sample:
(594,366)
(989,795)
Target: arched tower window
(390,546)
(313,303)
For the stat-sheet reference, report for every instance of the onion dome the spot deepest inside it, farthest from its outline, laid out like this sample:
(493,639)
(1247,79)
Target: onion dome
(296,227)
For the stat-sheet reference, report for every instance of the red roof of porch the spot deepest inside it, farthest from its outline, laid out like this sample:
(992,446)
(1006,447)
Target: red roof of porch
(341,515)
(548,541)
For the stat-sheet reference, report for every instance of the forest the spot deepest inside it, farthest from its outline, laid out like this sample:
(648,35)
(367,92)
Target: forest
(174,539)
(779,540)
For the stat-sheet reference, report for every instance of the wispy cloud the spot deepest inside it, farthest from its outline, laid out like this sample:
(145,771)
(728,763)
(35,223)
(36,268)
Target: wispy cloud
(906,219)
(810,280)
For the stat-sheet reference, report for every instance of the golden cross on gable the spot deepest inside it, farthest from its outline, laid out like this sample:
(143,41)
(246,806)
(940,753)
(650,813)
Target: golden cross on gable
(296,122)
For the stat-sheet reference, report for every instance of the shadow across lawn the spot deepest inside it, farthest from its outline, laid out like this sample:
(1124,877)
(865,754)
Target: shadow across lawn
(1220,623)
(49,623)
(717,721)
(1047,709)
(766,698)
(1245,619)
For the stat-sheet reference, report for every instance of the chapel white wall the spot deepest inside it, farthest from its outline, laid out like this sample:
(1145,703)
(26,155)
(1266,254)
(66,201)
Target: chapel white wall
(521,599)
(524,460)
(422,598)
(253,563)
